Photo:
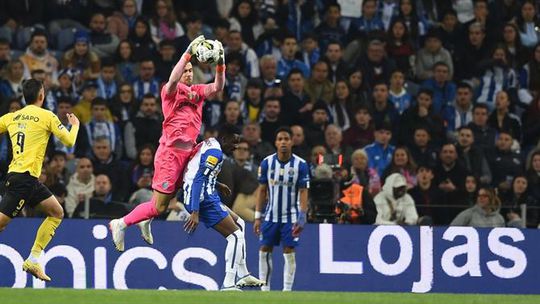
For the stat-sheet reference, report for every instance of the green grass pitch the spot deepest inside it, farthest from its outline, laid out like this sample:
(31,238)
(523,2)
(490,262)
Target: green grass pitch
(73,296)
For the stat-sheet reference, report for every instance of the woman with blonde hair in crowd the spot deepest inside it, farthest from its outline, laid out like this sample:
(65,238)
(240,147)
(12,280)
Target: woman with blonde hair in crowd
(485,213)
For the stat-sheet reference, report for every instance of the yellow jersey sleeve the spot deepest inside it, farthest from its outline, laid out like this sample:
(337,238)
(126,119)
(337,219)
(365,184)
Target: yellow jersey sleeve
(57,128)
(3,123)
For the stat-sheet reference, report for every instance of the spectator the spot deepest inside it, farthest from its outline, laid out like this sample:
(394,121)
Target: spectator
(425,194)
(296,103)
(460,113)
(484,135)
(81,147)
(164,25)
(473,52)
(231,119)
(472,157)
(394,205)
(533,174)
(318,87)
(245,184)
(37,57)
(242,158)
(193,24)
(82,108)
(527,22)
(300,147)
(444,90)
(244,19)
(529,77)
(399,46)
(141,39)
(80,186)
(300,18)
(450,179)
(120,23)
(248,55)
(104,162)
(471,189)
(101,126)
(330,28)
(250,107)
(259,149)
(144,128)
(319,121)
(503,119)
(270,119)
(433,52)
(402,163)
(142,169)
(56,169)
(416,24)
(367,23)
(497,75)
(482,16)
(517,198)
(505,164)
(383,109)
(268,68)
(81,58)
(310,52)
(333,138)
(361,174)
(422,151)
(398,95)
(213,109)
(380,151)
(101,202)
(235,81)
(107,86)
(103,43)
(11,83)
(5,52)
(123,105)
(287,61)
(484,214)
(146,82)
(449,31)
(341,105)
(168,59)
(127,68)
(359,92)
(361,131)
(334,56)
(531,125)
(421,115)
(517,53)
(375,66)
(66,89)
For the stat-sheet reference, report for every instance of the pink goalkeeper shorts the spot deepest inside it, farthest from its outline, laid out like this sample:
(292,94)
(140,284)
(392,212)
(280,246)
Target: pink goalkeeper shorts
(169,165)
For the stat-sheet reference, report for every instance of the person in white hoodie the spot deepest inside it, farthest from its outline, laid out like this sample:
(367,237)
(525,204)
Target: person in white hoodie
(80,185)
(394,205)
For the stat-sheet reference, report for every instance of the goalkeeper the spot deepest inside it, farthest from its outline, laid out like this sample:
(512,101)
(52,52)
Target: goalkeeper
(182,104)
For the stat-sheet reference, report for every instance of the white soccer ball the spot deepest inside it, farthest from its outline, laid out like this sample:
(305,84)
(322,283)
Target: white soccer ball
(207,51)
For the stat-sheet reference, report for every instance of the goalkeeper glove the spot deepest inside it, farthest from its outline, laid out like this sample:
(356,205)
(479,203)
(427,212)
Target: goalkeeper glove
(192,47)
(221,58)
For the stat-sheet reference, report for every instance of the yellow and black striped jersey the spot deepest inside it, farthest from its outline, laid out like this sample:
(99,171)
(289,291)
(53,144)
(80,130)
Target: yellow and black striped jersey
(29,130)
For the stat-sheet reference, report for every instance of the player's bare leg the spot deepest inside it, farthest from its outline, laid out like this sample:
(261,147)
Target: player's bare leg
(245,279)
(46,231)
(144,211)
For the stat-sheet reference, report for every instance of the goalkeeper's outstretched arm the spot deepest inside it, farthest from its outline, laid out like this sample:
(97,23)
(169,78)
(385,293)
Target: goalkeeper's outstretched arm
(219,81)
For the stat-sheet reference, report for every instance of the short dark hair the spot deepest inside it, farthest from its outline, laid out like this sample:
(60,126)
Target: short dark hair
(297,71)
(464,85)
(480,106)
(149,95)
(440,63)
(98,101)
(465,127)
(108,62)
(64,99)
(428,92)
(31,88)
(283,129)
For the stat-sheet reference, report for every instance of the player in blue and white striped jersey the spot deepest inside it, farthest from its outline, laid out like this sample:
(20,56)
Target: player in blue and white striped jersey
(201,199)
(283,184)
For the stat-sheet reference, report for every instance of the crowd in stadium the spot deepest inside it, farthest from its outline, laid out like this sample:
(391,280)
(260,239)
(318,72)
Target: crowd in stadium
(420,111)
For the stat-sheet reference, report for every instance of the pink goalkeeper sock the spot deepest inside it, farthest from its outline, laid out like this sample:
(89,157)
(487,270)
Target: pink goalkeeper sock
(142,212)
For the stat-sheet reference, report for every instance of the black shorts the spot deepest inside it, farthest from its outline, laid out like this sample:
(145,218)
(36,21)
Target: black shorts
(22,189)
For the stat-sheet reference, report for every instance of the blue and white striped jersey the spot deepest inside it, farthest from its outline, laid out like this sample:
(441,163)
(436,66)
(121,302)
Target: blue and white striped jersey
(201,174)
(283,179)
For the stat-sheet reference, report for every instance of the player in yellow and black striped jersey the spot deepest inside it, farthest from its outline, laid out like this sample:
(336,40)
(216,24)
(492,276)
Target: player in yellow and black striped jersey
(29,130)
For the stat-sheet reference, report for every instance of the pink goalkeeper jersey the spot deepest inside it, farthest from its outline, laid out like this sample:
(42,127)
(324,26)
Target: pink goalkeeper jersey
(182,113)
